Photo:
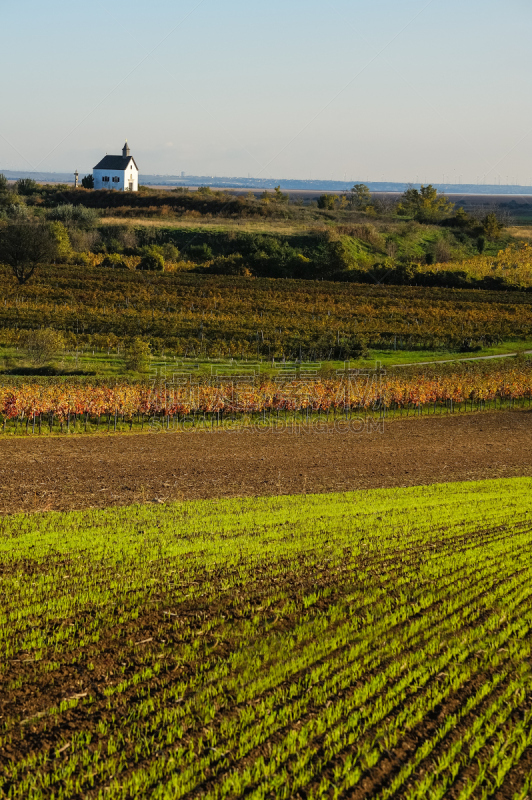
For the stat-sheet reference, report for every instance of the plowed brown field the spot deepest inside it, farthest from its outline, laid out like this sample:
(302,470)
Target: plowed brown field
(97,471)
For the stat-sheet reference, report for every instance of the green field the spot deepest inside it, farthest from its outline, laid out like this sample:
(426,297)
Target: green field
(101,365)
(375,642)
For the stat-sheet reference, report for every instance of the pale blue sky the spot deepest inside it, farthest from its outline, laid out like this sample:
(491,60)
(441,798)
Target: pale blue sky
(405,91)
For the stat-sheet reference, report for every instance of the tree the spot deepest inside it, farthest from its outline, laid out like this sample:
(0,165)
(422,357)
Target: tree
(425,204)
(360,198)
(23,245)
(61,242)
(42,345)
(279,197)
(27,186)
(328,201)
(462,219)
(87,182)
(137,355)
(4,186)
(11,201)
(491,226)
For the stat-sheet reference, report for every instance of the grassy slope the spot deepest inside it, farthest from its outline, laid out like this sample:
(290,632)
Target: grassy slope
(273,644)
(285,227)
(366,238)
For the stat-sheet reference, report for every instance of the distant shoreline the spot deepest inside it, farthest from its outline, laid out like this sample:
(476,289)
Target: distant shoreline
(467,198)
(314,187)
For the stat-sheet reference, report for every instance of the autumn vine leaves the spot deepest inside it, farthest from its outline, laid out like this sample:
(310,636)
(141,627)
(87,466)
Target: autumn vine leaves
(358,393)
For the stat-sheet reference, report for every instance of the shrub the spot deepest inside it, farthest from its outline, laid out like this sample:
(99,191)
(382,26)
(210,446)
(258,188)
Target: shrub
(366,232)
(126,237)
(82,259)
(158,249)
(169,252)
(230,265)
(112,245)
(69,214)
(152,261)
(200,252)
(441,251)
(84,241)
(114,260)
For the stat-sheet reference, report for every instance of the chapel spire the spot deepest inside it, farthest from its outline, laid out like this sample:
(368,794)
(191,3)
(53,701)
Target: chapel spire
(125,150)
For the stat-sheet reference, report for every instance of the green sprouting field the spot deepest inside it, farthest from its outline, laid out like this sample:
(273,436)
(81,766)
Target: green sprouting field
(369,644)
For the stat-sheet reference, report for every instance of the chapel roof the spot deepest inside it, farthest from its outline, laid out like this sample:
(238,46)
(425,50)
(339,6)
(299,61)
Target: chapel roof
(115,162)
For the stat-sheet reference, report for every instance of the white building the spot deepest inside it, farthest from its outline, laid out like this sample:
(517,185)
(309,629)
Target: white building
(117,172)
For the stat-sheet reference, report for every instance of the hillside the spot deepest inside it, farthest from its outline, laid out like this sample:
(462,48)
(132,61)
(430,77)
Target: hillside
(222,316)
(208,275)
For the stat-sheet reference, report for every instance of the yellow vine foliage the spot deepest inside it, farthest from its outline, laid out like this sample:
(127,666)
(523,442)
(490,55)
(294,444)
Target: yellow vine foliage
(514,264)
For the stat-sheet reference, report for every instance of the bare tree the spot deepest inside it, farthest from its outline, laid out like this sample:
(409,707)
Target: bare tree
(23,245)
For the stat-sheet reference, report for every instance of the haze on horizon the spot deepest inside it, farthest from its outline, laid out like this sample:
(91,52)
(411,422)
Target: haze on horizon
(424,90)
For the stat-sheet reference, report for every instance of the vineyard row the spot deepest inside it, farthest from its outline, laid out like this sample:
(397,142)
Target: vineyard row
(39,405)
(221,316)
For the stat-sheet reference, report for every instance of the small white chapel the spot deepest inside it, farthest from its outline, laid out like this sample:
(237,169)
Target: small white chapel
(117,172)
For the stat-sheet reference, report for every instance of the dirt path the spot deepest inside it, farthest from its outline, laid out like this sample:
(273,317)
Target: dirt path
(455,360)
(97,471)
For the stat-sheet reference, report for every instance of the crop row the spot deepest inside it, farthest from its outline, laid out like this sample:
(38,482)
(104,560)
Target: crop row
(39,406)
(221,317)
(270,647)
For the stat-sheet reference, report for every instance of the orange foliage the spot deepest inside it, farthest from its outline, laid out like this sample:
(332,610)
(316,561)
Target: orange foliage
(359,392)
